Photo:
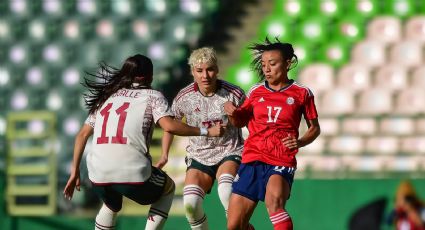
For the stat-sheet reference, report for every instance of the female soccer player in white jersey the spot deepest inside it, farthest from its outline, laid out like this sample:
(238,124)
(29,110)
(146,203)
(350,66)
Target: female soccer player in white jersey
(122,112)
(201,103)
(272,111)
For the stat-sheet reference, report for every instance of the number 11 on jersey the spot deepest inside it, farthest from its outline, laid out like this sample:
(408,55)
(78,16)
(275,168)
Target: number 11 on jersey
(119,136)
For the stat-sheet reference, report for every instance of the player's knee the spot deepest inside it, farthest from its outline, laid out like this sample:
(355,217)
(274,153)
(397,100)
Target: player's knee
(170,186)
(274,202)
(193,197)
(233,225)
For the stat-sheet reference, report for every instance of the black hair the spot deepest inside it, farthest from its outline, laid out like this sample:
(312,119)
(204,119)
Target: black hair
(108,80)
(258,49)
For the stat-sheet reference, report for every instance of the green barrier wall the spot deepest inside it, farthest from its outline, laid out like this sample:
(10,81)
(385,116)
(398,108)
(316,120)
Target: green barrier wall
(314,204)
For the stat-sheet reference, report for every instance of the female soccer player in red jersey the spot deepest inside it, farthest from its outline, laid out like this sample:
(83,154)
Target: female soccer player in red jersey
(272,111)
(123,110)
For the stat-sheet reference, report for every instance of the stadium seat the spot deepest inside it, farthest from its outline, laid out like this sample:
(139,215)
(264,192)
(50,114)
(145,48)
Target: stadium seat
(291,8)
(359,126)
(363,8)
(313,28)
(369,53)
(420,126)
(382,145)
(374,102)
(322,164)
(400,126)
(406,53)
(417,77)
(400,8)
(354,77)
(413,145)
(333,52)
(415,29)
(349,29)
(390,76)
(346,144)
(402,164)
(318,77)
(410,102)
(364,164)
(336,102)
(327,8)
(276,26)
(317,147)
(329,126)
(386,29)
(242,76)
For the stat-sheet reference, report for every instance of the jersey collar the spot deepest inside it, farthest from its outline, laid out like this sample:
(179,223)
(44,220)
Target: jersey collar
(266,84)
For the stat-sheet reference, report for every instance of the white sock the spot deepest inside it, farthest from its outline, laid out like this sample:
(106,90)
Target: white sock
(225,189)
(158,213)
(105,219)
(193,197)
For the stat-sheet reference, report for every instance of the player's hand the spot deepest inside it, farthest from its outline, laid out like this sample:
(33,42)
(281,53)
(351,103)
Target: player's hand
(73,183)
(290,142)
(217,130)
(229,108)
(162,161)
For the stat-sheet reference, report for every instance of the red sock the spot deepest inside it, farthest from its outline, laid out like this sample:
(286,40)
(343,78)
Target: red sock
(281,220)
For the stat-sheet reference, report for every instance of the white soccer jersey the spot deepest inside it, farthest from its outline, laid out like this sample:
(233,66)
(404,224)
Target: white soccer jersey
(202,111)
(123,129)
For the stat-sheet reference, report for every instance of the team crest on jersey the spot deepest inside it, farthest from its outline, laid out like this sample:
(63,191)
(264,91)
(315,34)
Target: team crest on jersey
(290,100)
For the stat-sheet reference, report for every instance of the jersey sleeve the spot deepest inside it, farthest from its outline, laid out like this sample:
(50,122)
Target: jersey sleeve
(176,109)
(310,111)
(160,108)
(91,120)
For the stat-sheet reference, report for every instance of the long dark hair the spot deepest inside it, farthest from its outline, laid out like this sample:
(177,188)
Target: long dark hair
(108,80)
(258,49)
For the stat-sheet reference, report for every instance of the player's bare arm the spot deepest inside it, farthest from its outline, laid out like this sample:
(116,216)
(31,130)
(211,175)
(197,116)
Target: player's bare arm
(311,134)
(79,145)
(172,126)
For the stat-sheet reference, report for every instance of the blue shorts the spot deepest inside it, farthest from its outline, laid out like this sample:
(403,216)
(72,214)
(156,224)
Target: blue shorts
(251,180)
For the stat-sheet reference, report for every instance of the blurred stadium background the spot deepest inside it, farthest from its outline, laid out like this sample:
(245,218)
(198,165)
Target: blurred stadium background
(363,59)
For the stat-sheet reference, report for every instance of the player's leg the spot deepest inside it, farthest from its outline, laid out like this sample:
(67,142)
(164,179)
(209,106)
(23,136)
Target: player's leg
(226,174)
(112,203)
(277,192)
(240,211)
(158,213)
(197,183)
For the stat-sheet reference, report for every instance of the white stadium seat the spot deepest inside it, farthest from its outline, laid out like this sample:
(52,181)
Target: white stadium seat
(364,163)
(410,101)
(318,77)
(415,28)
(317,147)
(391,76)
(336,102)
(413,145)
(406,53)
(418,77)
(420,125)
(382,145)
(386,29)
(359,126)
(369,53)
(329,126)
(354,76)
(375,102)
(397,126)
(346,145)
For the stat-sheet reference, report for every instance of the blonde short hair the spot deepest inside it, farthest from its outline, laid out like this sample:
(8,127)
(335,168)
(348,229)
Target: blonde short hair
(203,55)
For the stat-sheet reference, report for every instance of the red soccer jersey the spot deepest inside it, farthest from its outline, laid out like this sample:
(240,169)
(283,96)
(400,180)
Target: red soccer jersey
(274,115)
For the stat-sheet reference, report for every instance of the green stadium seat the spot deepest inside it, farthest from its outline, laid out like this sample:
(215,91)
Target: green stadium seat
(243,76)
(400,8)
(276,26)
(313,28)
(363,8)
(349,29)
(334,52)
(327,8)
(291,8)
(160,8)
(305,52)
